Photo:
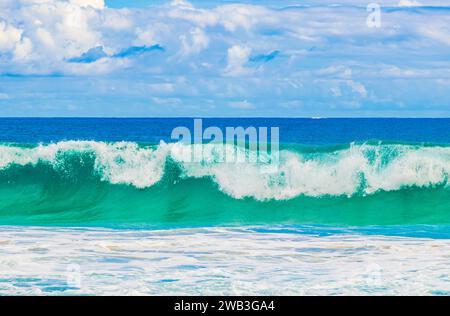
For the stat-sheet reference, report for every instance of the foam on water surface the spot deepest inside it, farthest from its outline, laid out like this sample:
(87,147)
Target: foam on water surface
(218,261)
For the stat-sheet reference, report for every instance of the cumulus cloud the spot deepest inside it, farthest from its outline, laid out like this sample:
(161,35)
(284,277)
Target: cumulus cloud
(237,57)
(9,36)
(43,36)
(193,43)
(263,55)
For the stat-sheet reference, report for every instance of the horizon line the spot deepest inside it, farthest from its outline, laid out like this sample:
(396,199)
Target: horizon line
(224,117)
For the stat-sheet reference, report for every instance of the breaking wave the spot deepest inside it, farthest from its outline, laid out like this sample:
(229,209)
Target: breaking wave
(356,169)
(98,183)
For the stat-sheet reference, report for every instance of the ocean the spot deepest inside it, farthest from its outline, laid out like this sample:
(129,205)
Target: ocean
(111,206)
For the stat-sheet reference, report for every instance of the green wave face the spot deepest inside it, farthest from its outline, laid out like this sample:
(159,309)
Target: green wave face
(125,184)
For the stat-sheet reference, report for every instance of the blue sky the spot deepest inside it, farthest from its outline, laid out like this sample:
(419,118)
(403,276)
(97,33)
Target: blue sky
(224,58)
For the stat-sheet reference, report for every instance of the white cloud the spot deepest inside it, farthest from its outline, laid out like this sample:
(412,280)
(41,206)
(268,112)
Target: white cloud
(181,3)
(325,53)
(409,3)
(235,16)
(243,105)
(237,57)
(39,36)
(117,20)
(198,41)
(23,50)
(9,36)
(51,32)
(357,87)
(98,4)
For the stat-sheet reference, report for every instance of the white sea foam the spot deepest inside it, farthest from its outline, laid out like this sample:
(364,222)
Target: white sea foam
(217,261)
(121,162)
(361,169)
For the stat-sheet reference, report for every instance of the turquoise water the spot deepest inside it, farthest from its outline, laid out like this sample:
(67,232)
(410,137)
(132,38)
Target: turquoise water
(91,183)
(129,173)
(114,206)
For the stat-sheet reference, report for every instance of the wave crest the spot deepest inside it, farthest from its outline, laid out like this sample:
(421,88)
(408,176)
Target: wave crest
(357,169)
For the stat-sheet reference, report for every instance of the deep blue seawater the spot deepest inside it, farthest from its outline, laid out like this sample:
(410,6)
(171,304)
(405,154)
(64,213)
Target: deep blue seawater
(296,130)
